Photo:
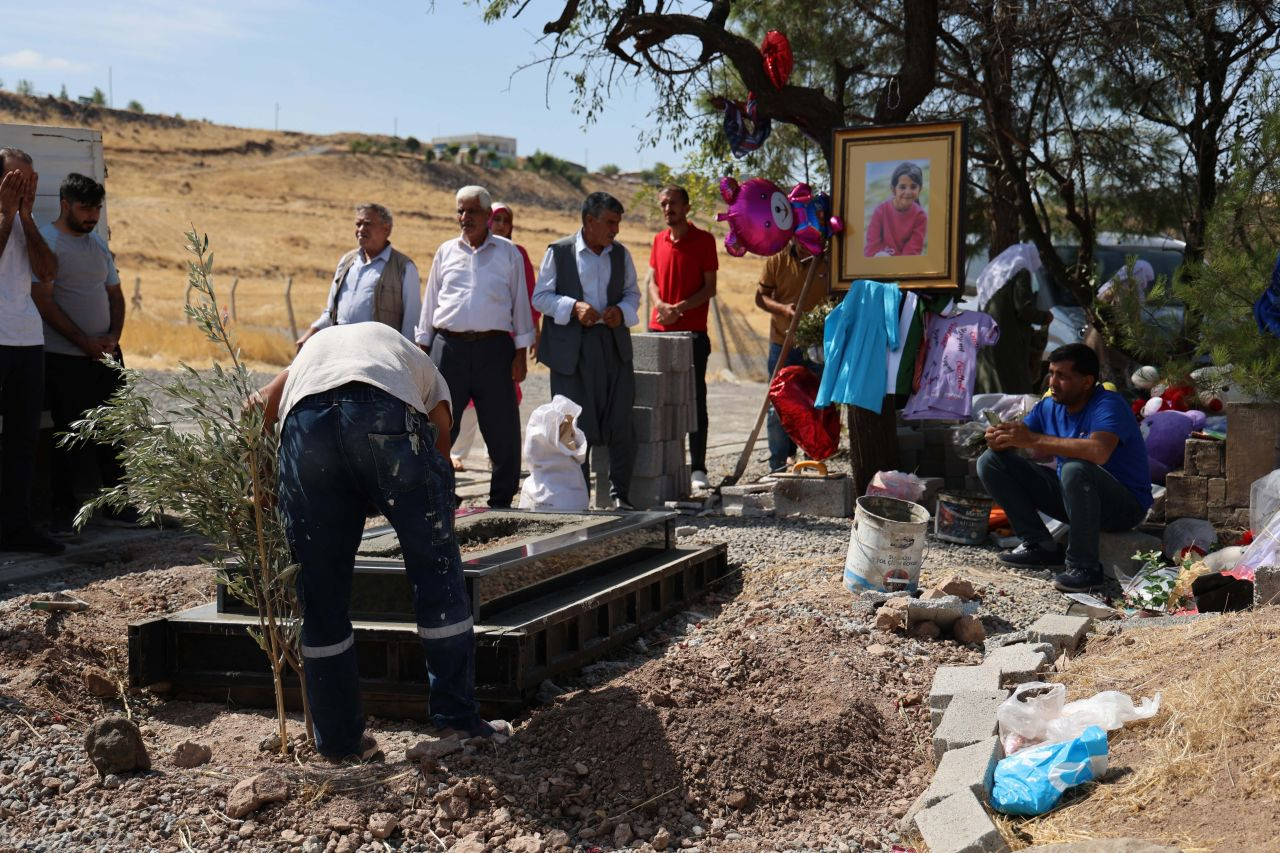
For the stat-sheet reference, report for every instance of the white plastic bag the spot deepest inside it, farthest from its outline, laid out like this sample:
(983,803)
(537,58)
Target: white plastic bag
(1264,550)
(1024,717)
(554,450)
(897,484)
(1038,712)
(1264,500)
(1108,710)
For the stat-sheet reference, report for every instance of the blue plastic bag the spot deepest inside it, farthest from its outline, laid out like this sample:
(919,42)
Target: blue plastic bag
(1031,782)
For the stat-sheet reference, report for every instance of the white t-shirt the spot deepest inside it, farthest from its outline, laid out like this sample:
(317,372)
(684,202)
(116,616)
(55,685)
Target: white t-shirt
(20,324)
(372,353)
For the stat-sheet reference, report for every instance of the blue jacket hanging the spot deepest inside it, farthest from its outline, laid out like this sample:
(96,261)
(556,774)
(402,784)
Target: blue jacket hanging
(858,335)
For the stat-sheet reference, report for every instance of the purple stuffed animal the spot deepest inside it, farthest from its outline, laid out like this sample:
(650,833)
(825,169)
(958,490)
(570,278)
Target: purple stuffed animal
(1166,435)
(760,217)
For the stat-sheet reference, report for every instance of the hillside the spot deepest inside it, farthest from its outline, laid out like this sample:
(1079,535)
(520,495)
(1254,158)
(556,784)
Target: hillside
(278,204)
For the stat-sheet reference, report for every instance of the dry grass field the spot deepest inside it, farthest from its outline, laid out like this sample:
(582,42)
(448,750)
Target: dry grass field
(279,204)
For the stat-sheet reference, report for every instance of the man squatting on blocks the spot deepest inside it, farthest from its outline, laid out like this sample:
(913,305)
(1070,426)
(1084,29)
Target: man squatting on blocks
(588,297)
(682,282)
(365,418)
(1102,481)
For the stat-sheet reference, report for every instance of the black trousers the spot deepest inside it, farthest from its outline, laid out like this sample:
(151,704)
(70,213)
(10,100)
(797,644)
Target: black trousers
(73,385)
(480,371)
(21,397)
(605,387)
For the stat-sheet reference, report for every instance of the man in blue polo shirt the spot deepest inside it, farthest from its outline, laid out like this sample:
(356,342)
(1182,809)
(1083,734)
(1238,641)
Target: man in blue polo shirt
(1102,480)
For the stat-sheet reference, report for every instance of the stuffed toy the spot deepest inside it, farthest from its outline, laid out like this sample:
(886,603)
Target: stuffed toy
(1165,433)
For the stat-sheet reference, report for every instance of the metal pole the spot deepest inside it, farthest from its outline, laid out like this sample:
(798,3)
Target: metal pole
(235,282)
(288,301)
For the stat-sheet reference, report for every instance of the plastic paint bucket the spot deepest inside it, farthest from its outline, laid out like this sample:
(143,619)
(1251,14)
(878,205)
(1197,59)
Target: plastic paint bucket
(962,517)
(886,545)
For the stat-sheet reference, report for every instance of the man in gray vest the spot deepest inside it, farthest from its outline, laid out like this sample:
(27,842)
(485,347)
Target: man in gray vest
(373,281)
(588,297)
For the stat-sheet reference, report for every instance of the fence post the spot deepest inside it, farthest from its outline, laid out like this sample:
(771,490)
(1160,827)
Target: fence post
(235,282)
(288,302)
(724,342)
(137,293)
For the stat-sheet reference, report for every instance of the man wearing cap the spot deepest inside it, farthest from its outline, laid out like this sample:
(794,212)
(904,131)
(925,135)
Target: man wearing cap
(476,325)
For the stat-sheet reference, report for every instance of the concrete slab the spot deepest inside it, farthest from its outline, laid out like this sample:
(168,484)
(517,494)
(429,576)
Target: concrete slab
(1021,662)
(1064,633)
(970,717)
(959,824)
(830,497)
(942,611)
(950,680)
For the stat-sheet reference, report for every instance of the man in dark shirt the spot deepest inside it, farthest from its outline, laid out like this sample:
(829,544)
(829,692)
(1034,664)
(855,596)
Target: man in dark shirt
(1102,481)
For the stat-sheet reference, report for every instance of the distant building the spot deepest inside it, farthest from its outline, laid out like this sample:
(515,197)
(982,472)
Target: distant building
(476,147)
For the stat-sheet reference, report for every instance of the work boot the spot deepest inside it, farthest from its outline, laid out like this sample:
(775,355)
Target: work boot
(1029,556)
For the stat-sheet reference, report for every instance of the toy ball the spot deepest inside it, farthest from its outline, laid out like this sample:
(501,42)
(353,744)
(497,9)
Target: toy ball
(761,219)
(814,222)
(1145,378)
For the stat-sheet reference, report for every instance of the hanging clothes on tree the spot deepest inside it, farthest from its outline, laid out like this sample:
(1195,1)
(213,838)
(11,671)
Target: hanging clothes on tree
(1003,267)
(856,341)
(950,364)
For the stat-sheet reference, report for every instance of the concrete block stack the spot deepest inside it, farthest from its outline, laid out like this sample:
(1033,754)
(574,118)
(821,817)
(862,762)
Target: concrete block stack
(1202,489)
(664,415)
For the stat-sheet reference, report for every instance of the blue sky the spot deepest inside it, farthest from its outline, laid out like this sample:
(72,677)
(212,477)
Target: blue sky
(426,69)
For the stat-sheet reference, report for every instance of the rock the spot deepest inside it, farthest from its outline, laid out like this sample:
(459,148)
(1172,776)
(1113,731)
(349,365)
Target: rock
(661,839)
(931,594)
(877,649)
(191,754)
(473,843)
(737,800)
(893,614)
(957,586)
(556,838)
(382,824)
(968,630)
(525,844)
(291,836)
(115,745)
(251,794)
(622,835)
(661,699)
(581,769)
(98,684)
(501,817)
(925,631)
(111,781)
(432,750)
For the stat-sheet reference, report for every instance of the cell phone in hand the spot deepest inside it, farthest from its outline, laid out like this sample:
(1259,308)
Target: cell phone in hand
(992,417)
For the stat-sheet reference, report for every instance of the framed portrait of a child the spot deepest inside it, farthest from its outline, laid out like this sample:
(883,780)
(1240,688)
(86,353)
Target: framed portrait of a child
(900,191)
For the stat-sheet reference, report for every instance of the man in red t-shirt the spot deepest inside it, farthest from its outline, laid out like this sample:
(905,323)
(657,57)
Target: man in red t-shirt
(682,280)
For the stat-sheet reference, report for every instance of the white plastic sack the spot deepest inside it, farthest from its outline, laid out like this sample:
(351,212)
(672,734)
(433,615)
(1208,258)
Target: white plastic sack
(897,484)
(1264,500)
(1038,712)
(1188,533)
(554,450)
(1024,717)
(1264,550)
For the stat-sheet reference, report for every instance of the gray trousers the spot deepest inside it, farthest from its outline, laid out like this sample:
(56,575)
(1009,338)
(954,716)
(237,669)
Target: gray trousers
(605,387)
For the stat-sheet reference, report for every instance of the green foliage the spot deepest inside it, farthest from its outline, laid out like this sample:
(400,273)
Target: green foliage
(25,87)
(1241,244)
(429,155)
(412,145)
(135,107)
(360,146)
(549,164)
(99,97)
(610,170)
(192,446)
(704,191)
(809,330)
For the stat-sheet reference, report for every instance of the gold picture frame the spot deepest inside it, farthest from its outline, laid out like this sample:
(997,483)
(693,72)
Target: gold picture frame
(900,190)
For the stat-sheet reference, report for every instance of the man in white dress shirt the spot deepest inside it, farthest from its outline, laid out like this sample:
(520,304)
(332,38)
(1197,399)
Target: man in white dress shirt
(588,297)
(373,281)
(477,327)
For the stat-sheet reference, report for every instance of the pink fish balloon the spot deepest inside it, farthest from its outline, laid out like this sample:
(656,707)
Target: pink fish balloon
(760,217)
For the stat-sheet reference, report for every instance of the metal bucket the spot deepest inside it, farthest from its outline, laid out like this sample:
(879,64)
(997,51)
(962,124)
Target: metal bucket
(886,545)
(962,517)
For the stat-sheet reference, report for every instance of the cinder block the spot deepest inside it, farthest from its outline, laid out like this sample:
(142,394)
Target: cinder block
(909,439)
(950,680)
(970,717)
(830,497)
(673,456)
(1266,586)
(651,491)
(652,388)
(652,352)
(1216,493)
(969,768)
(1254,430)
(1020,663)
(650,459)
(1186,496)
(1064,633)
(942,611)
(1204,457)
(652,424)
(959,824)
